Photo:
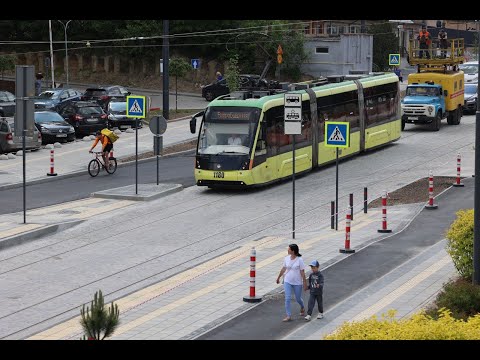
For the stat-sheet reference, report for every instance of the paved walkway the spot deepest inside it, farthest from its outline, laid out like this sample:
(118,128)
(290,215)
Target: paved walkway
(74,157)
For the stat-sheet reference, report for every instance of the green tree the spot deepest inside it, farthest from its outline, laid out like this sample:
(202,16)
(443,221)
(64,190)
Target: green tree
(178,67)
(232,73)
(460,243)
(98,322)
(7,63)
(384,43)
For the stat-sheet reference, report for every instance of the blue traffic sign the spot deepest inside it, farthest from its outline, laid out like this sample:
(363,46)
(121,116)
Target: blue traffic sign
(337,134)
(195,63)
(136,106)
(394,59)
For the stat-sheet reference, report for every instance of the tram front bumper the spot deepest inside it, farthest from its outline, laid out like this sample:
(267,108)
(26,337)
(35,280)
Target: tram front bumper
(223,178)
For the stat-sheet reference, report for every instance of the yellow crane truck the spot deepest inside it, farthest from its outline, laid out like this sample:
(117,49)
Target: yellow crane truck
(436,91)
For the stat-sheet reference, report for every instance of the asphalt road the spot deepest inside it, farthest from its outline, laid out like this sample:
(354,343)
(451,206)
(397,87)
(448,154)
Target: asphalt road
(173,169)
(348,276)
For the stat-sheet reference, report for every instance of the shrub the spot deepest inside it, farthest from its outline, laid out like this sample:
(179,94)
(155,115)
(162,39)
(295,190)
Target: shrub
(461,297)
(418,327)
(460,243)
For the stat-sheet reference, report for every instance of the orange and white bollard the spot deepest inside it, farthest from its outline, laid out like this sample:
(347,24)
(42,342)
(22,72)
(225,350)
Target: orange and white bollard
(430,205)
(458,183)
(252,298)
(347,249)
(384,228)
(52,164)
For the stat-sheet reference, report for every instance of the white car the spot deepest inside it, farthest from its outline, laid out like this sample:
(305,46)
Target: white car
(470,69)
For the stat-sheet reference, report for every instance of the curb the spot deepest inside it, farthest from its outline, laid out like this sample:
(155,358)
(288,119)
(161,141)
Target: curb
(34,234)
(82,172)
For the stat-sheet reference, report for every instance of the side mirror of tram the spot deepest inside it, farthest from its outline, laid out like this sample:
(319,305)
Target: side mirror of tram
(193,122)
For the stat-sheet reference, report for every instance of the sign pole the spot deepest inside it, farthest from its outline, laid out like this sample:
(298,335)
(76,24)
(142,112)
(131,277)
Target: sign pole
(293,188)
(158,127)
(136,157)
(24,134)
(336,191)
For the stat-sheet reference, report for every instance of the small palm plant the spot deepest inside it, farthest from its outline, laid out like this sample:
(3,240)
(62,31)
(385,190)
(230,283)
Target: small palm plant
(98,322)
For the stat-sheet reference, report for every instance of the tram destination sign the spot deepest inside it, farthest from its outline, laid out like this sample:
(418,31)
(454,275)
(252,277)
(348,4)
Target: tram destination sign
(293,114)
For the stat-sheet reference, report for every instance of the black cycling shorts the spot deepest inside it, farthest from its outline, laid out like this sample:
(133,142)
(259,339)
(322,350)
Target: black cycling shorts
(108,147)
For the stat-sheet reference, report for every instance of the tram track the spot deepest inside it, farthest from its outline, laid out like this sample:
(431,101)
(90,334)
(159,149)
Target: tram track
(282,218)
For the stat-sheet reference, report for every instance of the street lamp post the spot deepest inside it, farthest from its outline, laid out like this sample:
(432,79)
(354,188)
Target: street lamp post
(66,48)
(476,202)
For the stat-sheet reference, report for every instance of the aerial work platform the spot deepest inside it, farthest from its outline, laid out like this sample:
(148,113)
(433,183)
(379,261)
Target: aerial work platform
(436,58)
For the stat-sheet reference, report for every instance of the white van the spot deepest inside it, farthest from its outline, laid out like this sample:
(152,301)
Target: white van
(470,69)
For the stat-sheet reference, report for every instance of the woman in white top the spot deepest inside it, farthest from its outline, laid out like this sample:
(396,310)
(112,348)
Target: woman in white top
(294,270)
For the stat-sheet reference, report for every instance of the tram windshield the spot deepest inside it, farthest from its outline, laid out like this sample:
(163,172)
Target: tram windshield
(228,130)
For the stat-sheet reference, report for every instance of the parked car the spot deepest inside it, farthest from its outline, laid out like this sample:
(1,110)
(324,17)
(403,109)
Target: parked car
(56,99)
(86,117)
(470,70)
(117,115)
(7,103)
(217,88)
(470,96)
(103,94)
(10,143)
(53,127)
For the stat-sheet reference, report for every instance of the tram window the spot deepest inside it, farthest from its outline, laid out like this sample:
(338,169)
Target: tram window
(371,111)
(351,110)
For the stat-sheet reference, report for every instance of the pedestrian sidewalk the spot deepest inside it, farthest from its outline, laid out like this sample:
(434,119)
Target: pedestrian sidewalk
(407,289)
(73,157)
(198,299)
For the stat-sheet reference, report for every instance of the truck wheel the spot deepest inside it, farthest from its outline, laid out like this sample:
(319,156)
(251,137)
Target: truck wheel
(459,116)
(451,118)
(437,122)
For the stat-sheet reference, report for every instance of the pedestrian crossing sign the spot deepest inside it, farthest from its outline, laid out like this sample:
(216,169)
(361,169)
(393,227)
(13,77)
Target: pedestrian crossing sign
(136,106)
(394,59)
(337,134)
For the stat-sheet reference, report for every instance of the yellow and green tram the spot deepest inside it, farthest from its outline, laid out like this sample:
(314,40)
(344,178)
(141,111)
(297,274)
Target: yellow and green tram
(241,138)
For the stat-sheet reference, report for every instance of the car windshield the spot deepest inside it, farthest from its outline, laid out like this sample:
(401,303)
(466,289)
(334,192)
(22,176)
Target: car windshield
(49,95)
(228,130)
(90,110)
(470,89)
(421,91)
(6,96)
(49,117)
(469,69)
(91,92)
(118,107)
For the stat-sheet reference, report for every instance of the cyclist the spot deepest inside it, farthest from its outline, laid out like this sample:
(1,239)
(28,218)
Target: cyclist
(107,146)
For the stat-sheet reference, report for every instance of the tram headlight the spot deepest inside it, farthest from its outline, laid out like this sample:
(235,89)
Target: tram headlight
(197,163)
(246,165)
(430,109)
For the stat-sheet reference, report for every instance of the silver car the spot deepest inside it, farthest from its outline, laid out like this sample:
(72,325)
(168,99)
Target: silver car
(10,143)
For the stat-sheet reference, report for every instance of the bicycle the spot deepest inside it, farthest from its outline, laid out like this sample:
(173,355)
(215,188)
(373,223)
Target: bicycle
(95,165)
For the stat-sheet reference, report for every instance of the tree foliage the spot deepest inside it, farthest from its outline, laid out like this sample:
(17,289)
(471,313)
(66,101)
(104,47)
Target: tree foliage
(98,322)
(7,63)
(384,43)
(232,73)
(460,243)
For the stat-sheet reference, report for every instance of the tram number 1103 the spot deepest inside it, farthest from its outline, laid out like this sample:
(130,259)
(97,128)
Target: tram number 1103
(219,174)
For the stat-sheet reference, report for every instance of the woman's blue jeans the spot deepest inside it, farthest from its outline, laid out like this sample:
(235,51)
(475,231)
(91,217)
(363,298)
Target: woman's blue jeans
(289,289)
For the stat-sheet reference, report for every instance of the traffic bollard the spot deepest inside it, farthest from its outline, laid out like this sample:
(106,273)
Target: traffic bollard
(458,183)
(347,249)
(430,205)
(52,164)
(252,298)
(365,200)
(332,212)
(384,228)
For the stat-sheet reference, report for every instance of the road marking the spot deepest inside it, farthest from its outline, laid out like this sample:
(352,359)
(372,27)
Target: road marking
(390,298)
(72,327)
(67,205)
(19,229)
(95,211)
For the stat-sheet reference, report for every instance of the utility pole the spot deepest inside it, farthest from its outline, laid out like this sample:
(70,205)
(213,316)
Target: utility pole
(66,48)
(166,55)
(52,68)
(476,211)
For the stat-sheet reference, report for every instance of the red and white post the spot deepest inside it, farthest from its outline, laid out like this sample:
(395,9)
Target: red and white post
(52,164)
(347,249)
(458,183)
(252,298)
(384,228)
(430,205)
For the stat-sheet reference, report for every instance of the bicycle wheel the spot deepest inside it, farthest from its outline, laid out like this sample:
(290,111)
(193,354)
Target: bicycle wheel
(94,167)
(113,165)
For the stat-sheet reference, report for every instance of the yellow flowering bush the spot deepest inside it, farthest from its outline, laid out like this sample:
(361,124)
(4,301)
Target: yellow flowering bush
(418,327)
(460,243)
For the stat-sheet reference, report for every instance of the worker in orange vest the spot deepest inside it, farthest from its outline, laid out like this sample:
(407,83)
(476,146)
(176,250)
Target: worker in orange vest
(425,40)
